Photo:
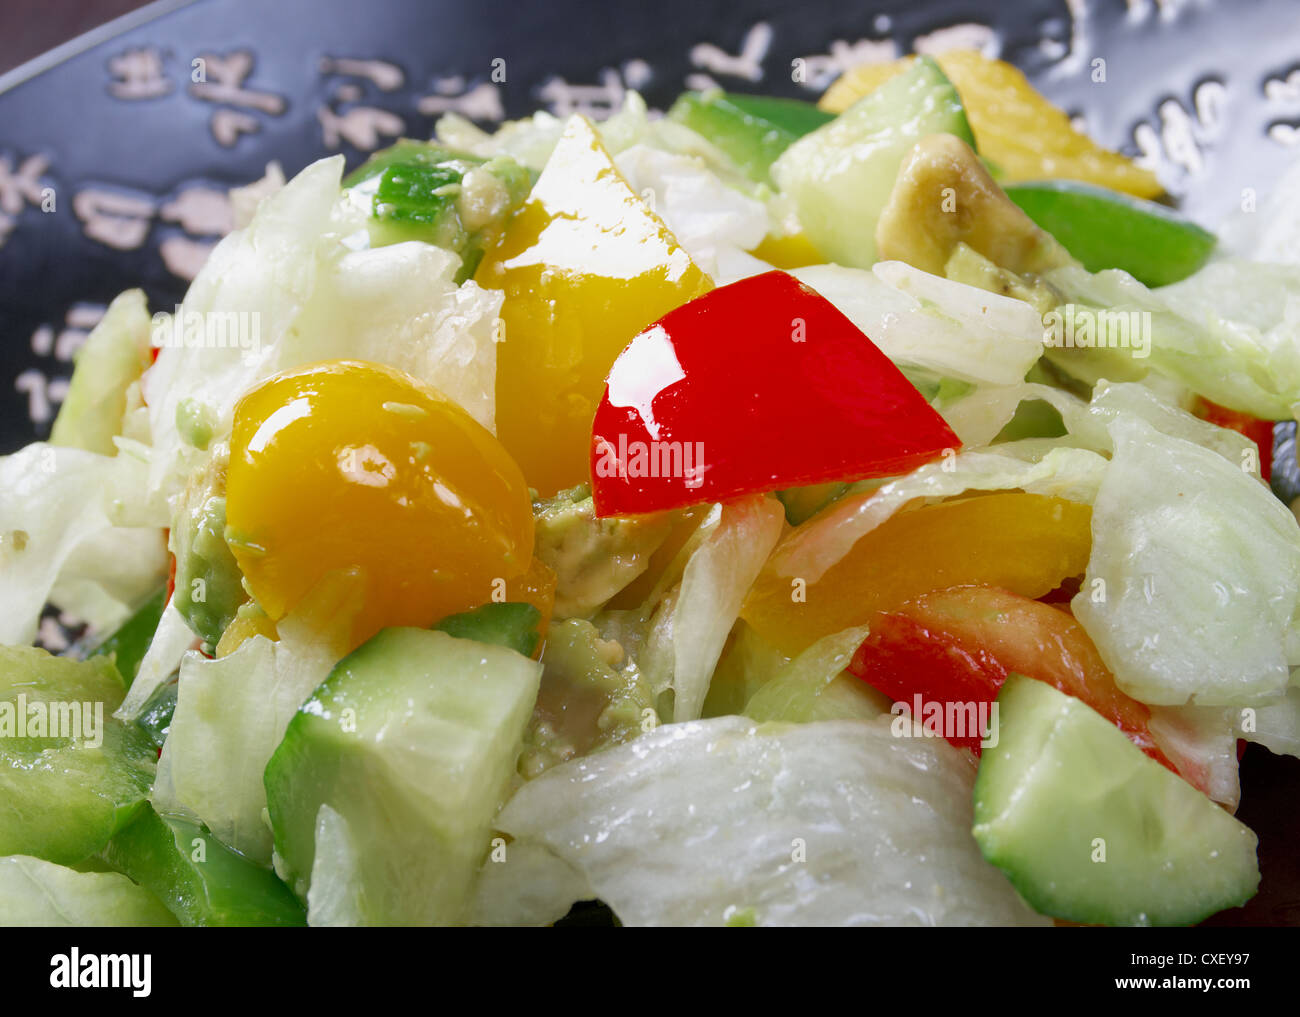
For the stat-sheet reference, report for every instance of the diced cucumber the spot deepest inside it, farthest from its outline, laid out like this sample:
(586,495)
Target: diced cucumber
(1105,229)
(69,784)
(1090,829)
(40,894)
(841,175)
(513,625)
(751,130)
(412,740)
(127,646)
(200,879)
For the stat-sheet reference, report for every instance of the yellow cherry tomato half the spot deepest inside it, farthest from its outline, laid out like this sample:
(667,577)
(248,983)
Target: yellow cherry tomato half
(344,465)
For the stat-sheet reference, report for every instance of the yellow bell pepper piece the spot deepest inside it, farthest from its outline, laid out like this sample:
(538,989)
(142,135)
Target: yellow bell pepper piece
(1015,128)
(585,266)
(1026,543)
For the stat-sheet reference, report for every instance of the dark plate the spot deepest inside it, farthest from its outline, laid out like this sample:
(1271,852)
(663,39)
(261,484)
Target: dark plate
(113,159)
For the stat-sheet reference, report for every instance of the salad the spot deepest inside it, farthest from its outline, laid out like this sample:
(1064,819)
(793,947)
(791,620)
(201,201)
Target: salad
(763,513)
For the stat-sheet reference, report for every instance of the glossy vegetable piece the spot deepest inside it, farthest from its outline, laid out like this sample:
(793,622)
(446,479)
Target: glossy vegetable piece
(751,130)
(585,265)
(1022,134)
(412,742)
(346,465)
(1024,543)
(959,645)
(1090,830)
(71,775)
(127,646)
(422,191)
(754,387)
(1106,229)
(840,176)
(507,624)
(199,879)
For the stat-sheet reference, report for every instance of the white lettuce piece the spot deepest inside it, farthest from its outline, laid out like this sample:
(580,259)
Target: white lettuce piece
(717,577)
(114,356)
(713,222)
(38,894)
(1230,331)
(66,511)
(525,883)
(927,321)
(1275,724)
(231,714)
(334,897)
(727,821)
(172,639)
(1199,570)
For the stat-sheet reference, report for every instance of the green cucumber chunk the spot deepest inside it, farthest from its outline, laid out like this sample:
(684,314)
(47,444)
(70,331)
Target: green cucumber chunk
(127,646)
(198,878)
(750,130)
(412,743)
(1090,829)
(1104,229)
(511,624)
(841,175)
(71,775)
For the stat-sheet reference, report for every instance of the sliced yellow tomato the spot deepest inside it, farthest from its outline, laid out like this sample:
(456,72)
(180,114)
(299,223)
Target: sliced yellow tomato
(585,266)
(1025,543)
(348,467)
(788,250)
(1016,129)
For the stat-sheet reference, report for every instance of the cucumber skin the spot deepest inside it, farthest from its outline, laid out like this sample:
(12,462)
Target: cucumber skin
(1103,760)
(512,624)
(224,890)
(1105,229)
(317,763)
(841,175)
(751,130)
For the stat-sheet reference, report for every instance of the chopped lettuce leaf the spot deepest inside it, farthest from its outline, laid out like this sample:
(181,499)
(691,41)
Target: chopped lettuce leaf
(115,354)
(70,514)
(525,883)
(1228,332)
(829,823)
(709,219)
(1193,586)
(1274,724)
(814,685)
(926,321)
(231,714)
(170,642)
(334,897)
(714,584)
(40,894)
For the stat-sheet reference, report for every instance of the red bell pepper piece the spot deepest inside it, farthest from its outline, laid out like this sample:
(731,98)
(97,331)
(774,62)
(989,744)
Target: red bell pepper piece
(757,386)
(1258,431)
(958,646)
